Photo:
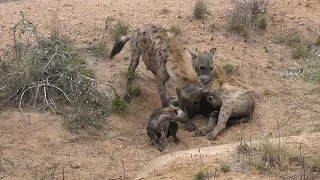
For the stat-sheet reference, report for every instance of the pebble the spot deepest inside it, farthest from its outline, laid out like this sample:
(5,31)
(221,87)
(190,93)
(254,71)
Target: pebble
(75,166)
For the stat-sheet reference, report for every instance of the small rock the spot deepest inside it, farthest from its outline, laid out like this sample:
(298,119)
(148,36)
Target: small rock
(230,9)
(269,92)
(75,166)
(178,16)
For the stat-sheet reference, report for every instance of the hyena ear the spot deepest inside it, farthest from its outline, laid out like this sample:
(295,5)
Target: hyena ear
(209,98)
(194,54)
(212,51)
(177,112)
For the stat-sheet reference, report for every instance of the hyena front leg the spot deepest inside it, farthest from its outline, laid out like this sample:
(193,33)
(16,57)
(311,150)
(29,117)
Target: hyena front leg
(185,104)
(162,78)
(131,71)
(224,115)
(212,122)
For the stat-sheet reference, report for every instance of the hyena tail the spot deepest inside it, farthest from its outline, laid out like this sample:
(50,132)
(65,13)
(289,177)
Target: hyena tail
(119,45)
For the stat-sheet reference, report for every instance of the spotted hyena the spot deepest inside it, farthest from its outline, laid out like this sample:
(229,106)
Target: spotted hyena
(163,124)
(164,56)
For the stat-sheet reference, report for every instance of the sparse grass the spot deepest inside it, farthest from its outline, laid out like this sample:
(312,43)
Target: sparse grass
(224,167)
(200,9)
(229,68)
(290,39)
(100,48)
(164,11)
(300,51)
(118,104)
(245,16)
(318,40)
(176,29)
(244,148)
(121,28)
(271,155)
(137,92)
(317,77)
(212,27)
(262,22)
(314,163)
(302,73)
(201,175)
(48,73)
(136,74)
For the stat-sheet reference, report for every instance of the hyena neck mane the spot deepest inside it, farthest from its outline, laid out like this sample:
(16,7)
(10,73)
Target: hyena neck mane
(224,83)
(178,66)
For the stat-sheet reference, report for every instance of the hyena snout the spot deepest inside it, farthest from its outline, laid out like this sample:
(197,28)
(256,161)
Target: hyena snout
(192,92)
(205,78)
(178,114)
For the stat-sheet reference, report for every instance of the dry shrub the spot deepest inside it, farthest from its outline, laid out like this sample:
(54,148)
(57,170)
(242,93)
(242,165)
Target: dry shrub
(318,40)
(121,28)
(200,9)
(247,16)
(47,73)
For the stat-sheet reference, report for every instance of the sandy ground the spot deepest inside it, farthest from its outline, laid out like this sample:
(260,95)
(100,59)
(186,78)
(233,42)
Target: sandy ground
(43,148)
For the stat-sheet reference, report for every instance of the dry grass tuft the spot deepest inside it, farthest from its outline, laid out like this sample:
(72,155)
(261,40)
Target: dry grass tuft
(48,73)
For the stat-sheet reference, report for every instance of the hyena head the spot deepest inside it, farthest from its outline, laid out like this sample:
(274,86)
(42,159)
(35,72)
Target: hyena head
(167,114)
(203,64)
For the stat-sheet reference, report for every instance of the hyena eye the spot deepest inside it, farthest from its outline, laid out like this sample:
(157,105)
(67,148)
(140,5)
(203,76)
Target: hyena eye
(202,68)
(175,112)
(211,68)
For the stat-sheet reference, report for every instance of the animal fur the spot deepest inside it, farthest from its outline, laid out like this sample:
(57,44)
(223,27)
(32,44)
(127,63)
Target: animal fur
(164,56)
(163,124)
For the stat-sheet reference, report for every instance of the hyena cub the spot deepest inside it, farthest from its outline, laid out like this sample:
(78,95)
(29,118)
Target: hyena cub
(164,56)
(162,125)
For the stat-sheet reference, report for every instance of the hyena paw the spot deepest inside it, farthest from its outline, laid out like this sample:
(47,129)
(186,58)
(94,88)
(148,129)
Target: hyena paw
(190,127)
(201,132)
(176,140)
(212,136)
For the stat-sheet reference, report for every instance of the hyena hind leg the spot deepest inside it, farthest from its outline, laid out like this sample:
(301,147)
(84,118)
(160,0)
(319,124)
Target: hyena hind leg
(131,71)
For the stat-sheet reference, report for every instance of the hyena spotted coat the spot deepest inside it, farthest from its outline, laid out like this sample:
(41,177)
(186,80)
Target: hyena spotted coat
(164,56)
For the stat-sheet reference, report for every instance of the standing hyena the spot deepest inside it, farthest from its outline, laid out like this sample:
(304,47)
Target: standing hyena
(164,56)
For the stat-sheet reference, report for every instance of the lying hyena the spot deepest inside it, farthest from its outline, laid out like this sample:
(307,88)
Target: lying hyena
(164,56)
(237,101)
